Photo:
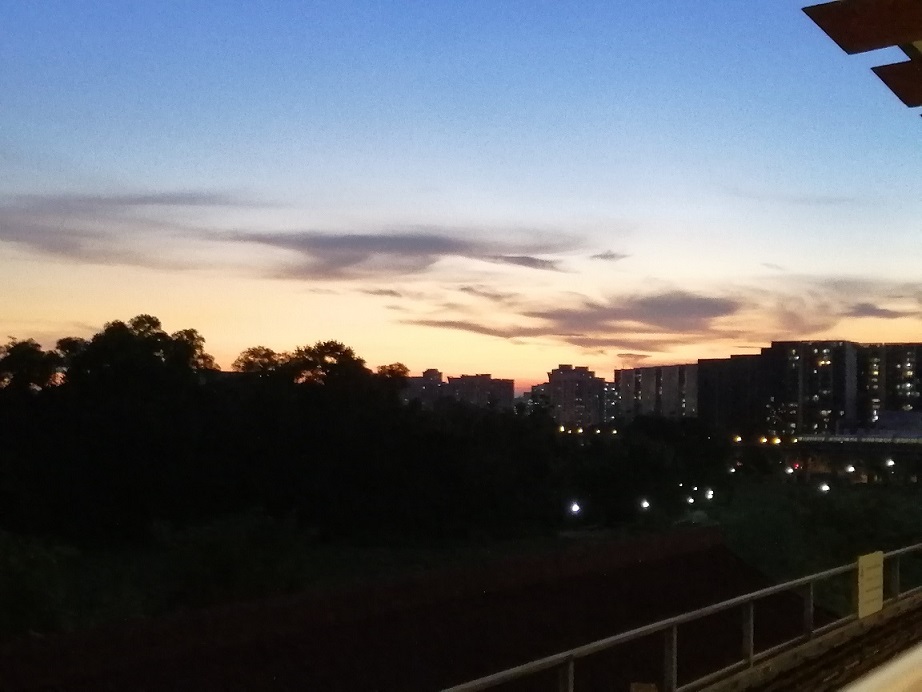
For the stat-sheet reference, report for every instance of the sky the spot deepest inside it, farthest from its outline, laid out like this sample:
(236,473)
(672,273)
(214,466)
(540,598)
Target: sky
(475,186)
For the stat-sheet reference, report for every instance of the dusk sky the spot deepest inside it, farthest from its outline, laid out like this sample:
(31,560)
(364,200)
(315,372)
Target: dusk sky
(482,186)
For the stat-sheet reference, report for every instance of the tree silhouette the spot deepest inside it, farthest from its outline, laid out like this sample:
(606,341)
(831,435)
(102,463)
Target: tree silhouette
(258,359)
(24,366)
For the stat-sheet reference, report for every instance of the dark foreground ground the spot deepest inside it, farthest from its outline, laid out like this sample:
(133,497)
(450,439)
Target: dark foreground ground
(432,631)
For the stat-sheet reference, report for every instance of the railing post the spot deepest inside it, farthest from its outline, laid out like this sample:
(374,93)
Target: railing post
(565,676)
(749,616)
(895,577)
(671,667)
(808,611)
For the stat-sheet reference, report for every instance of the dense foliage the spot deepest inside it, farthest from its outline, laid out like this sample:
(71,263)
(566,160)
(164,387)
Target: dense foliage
(136,478)
(102,438)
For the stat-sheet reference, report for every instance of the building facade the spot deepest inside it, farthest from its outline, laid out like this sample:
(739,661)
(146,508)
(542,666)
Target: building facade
(477,390)
(481,390)
(813,386)
(670,391)
(576,395)
(734,394)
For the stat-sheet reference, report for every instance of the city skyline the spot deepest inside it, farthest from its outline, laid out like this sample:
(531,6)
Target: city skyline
(509,187)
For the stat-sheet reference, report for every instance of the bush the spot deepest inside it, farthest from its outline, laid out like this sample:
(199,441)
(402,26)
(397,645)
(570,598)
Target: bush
(33,585)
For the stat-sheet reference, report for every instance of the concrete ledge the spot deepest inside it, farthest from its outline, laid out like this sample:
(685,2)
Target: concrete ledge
(804,651)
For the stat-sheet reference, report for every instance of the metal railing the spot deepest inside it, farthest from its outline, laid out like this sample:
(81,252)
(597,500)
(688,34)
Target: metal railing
(565,661)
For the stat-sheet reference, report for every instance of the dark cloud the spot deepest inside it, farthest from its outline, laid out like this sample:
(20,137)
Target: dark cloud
(609,256)
(525,261)
(632,360)
(652,323)
(384,292)
(488,293)
(476,328)
(673,311)
(346,255)
(871,310)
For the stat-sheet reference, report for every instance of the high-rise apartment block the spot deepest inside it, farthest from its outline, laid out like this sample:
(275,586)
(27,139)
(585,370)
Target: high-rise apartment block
(813,386)
(670,391)
(477,390)
(481,390)
(798,387)
(576,395)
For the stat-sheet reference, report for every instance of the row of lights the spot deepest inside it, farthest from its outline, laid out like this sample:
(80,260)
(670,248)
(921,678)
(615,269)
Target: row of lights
(848,469)
(765,440)
(580,431)
(645,503)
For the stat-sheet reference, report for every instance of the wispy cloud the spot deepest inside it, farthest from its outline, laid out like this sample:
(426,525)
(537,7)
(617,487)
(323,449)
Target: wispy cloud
(526,261)
(479,328)
(654,322)
(872,310)
(488,293)
(673,311)
(322,255)
(609,256)
(382,292)
(103,228)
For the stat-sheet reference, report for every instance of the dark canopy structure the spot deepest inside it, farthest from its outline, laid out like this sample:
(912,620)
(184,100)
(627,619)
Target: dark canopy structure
(858,26)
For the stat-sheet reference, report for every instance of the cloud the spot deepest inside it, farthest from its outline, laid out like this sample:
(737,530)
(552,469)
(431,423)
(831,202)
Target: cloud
(673,311)
(102,228)
(609,256)
(384,292)
(871,310)
(123,201)
(772,265)
(477,328)
(488,293)
(632,360)
(653,323)
(529,262)
(321,255)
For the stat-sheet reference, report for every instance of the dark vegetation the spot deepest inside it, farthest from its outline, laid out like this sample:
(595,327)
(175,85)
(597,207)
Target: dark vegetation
(136,478)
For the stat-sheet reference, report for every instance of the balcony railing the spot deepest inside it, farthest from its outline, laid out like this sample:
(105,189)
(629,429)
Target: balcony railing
(565,661)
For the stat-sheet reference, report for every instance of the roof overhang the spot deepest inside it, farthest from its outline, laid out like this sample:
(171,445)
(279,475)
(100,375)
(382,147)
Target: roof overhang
(858,26)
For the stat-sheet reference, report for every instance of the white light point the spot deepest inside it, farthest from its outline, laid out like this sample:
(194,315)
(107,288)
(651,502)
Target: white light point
(575,508)
(690,500)
(824,488)
(644,504)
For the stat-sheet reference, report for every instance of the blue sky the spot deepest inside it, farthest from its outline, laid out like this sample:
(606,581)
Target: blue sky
(439,183)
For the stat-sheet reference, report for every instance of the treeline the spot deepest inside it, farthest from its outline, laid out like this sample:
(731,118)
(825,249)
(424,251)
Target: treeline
(103,439)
